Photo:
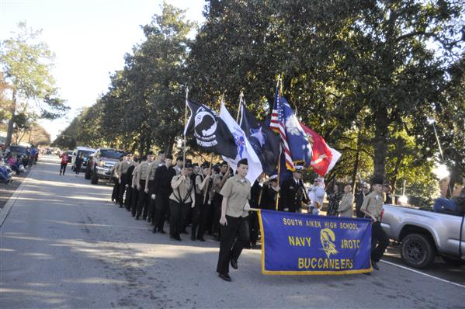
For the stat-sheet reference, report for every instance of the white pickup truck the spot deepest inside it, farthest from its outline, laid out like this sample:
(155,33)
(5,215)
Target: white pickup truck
(423,234)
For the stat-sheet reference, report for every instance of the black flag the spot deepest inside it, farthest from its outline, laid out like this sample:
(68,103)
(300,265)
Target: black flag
(210,131)
(264,141)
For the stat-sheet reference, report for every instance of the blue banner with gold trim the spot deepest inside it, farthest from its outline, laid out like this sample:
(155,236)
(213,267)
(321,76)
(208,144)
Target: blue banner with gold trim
(301,244)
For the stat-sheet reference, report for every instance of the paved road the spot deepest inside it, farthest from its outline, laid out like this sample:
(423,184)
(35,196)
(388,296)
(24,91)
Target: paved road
(64,245)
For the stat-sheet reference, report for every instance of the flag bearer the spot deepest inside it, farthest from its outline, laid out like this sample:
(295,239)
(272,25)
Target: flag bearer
(234,220)
(181,200)
(203,197)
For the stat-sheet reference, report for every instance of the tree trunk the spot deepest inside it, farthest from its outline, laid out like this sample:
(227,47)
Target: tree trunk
(380,141)
(11,122)
(356,163)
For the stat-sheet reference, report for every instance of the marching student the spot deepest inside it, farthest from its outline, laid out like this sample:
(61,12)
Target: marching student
(129,187)
(372,207)
(218,183)
(135,191)
(161,193)
(150,185)
(123,179)
(346,205)
(142,179)
(181,200)
(234,220)
(116,176)
(203,198)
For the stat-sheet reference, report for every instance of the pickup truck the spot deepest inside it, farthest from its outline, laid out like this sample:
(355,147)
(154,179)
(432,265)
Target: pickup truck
(103,160)
(423,234)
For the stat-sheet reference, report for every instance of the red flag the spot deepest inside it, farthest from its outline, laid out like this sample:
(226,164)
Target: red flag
(324,157)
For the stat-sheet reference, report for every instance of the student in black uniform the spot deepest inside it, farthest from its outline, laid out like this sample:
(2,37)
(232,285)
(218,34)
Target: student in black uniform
(270,194)
(293,192)
(162,191)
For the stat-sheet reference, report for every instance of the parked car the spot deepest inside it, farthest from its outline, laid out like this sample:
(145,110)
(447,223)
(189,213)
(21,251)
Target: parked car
(103,160)
(423,234)
(85,151)
(21,152)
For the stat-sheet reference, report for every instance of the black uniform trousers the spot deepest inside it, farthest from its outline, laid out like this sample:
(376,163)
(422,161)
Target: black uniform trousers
(178,215)
(254,227)
(144,200)
(128,198)
(162,204)
(199,216)
(134,201)
(151,203)
(234,237)
(122,188)
(217,200)
(115,193)
(379,242)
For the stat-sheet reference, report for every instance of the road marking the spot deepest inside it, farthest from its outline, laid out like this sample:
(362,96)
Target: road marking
(424,274)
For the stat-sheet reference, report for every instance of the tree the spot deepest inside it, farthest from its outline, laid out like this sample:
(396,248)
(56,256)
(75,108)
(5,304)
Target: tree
(26,64)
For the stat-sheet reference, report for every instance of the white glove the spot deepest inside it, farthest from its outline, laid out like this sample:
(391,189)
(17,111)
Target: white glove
(153,196)
(146,190)
(247,206)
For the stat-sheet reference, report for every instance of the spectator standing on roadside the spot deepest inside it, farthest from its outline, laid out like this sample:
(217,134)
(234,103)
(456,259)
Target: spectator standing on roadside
(316,194)
(333,201)
(359,199)
(64,163)
(372,207)
(346,205)
(387,191)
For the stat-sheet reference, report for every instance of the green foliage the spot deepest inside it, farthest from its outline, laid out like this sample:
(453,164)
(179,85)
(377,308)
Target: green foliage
(369,76)
(27,64)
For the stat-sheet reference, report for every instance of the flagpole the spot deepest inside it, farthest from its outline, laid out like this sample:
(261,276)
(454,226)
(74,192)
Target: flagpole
(241,95)
(185,123)
(279,172)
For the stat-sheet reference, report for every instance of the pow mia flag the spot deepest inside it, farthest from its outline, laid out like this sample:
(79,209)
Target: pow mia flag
(210,131)
(264,141)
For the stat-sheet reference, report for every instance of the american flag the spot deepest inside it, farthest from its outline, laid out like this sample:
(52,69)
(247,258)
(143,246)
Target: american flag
(277,125)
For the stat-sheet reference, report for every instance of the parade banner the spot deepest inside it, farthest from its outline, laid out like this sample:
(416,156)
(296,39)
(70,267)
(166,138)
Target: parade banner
(301,244)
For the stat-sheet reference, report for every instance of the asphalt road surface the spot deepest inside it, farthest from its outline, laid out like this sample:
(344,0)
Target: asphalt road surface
(65,245)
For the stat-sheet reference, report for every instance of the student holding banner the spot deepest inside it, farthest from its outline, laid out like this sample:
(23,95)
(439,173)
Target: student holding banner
(234,222)
(372,207)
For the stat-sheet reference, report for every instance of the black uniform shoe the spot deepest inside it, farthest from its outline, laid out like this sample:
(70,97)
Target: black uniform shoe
(225,277)
(374,265)
(200,239)
(193,237)
(154,230)
(234,264)
(161,232)
(176,238)
(137,217)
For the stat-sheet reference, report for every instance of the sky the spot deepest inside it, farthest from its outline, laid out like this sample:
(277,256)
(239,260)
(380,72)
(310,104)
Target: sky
(89,39)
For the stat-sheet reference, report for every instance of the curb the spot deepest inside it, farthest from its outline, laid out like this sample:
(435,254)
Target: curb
(12,200)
